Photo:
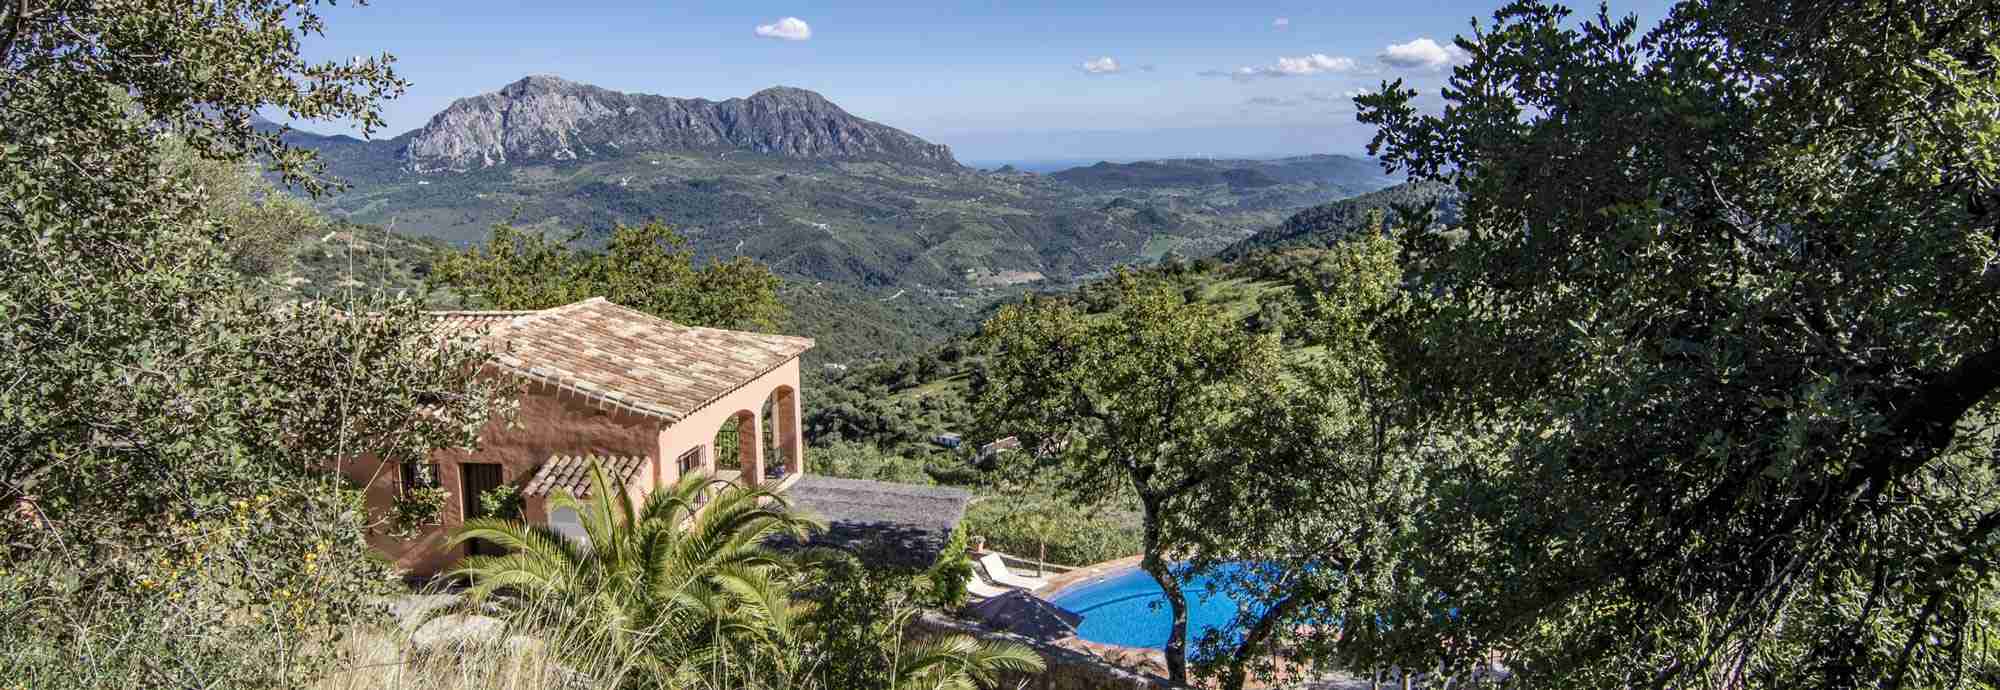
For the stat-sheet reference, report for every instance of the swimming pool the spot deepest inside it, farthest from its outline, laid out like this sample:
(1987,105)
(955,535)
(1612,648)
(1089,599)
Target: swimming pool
(1127,608)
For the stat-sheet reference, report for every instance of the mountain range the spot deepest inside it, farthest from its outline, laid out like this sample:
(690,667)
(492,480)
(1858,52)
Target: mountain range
(788,177)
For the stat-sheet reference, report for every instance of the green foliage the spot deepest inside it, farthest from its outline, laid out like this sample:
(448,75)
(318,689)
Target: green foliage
(647,267)
(1144,401)
(663,589)
(260,223)
(347,258)
(417,509)
(171,440)
(951,574)
(865,461)
(960,662)
(1054,530)
(851,325)
(861,225)
(503,502)
(879,421)
(1344,172)
(1327,497)
(855,623)
(1327,224)
(690,588)
(1722,341)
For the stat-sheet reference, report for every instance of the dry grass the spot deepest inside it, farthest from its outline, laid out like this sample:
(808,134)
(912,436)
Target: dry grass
(386,659)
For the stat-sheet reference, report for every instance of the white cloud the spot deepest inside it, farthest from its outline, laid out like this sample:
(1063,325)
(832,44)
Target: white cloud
(1281,22)
(1101,65)
(1304,65)
(788,29)
(1422,53)
(1314,64)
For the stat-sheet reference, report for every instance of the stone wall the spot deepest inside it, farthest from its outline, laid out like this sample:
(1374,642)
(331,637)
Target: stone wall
(1068,669)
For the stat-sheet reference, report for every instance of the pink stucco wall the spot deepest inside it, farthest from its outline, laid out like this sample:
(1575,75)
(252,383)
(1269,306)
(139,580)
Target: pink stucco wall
(552,422)
(698,429)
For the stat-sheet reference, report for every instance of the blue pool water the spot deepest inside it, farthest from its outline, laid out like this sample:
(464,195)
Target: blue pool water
(1127,608)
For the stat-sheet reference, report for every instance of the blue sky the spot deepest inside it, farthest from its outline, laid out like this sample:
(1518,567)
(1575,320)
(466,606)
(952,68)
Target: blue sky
(996,81)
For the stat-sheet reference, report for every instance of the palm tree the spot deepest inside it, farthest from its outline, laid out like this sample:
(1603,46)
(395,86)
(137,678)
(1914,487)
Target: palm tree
(683,589)
(686,590)
(961,662)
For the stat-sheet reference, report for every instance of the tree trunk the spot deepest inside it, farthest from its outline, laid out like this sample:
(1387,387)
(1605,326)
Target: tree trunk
(1156,566)
(1256,639)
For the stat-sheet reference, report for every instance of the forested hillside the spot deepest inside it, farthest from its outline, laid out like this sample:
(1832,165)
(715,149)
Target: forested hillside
(1325,224)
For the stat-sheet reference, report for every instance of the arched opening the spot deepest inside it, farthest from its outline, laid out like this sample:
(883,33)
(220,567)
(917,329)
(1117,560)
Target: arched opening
(566,522)
(739,454)
(785,450)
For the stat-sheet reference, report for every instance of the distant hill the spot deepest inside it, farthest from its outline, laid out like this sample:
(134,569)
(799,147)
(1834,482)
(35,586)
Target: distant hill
(791,179)
(1345,172)
(1323,225)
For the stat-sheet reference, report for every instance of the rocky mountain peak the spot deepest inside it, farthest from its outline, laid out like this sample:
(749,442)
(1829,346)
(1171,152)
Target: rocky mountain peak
(539,84)
(792,95)
(544,117)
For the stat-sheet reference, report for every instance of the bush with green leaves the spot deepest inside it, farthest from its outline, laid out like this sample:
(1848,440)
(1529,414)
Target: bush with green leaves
(951,574)
(504,501)
(1030,526)
(169,442)
(647,267)
(865,461)
(417,509)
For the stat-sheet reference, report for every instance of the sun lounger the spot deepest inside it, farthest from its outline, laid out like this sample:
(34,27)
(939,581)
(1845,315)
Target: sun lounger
(997,572)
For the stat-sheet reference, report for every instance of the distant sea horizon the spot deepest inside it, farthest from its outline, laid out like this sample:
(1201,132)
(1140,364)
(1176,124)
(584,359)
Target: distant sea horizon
(1049,165)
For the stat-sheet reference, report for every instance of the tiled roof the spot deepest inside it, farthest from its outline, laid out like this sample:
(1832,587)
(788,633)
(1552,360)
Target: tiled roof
(572,473)
(625,357)
(903,524)
(473,323)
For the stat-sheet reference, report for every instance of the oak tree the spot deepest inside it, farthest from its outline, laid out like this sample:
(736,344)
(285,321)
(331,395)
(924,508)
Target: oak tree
(1726,304)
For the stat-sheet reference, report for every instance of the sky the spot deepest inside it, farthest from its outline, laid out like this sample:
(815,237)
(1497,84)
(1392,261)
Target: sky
(1000,81)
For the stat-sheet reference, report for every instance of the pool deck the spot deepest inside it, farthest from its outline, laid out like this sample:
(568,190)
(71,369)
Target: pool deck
(1089,573)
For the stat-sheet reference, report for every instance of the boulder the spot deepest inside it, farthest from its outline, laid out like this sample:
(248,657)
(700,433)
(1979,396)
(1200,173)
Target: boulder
(459,630)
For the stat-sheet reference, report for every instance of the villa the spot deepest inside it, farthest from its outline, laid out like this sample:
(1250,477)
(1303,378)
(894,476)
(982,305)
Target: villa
(647,398)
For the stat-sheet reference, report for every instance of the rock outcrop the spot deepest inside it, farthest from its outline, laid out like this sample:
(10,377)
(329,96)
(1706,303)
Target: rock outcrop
(543,118)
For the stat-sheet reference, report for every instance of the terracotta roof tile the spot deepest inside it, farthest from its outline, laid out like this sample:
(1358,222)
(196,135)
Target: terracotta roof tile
(473,323)
(572,473)
(626,357)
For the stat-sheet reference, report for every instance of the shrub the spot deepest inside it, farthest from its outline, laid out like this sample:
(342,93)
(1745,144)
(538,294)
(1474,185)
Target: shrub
(1023,525)
(951,573)
(502,502)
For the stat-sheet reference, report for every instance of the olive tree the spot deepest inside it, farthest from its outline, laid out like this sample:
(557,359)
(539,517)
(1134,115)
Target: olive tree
(1726,307)
(647,267)
(1136,402)
(1322,505)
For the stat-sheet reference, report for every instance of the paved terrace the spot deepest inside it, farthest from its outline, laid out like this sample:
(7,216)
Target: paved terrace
(896,524)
